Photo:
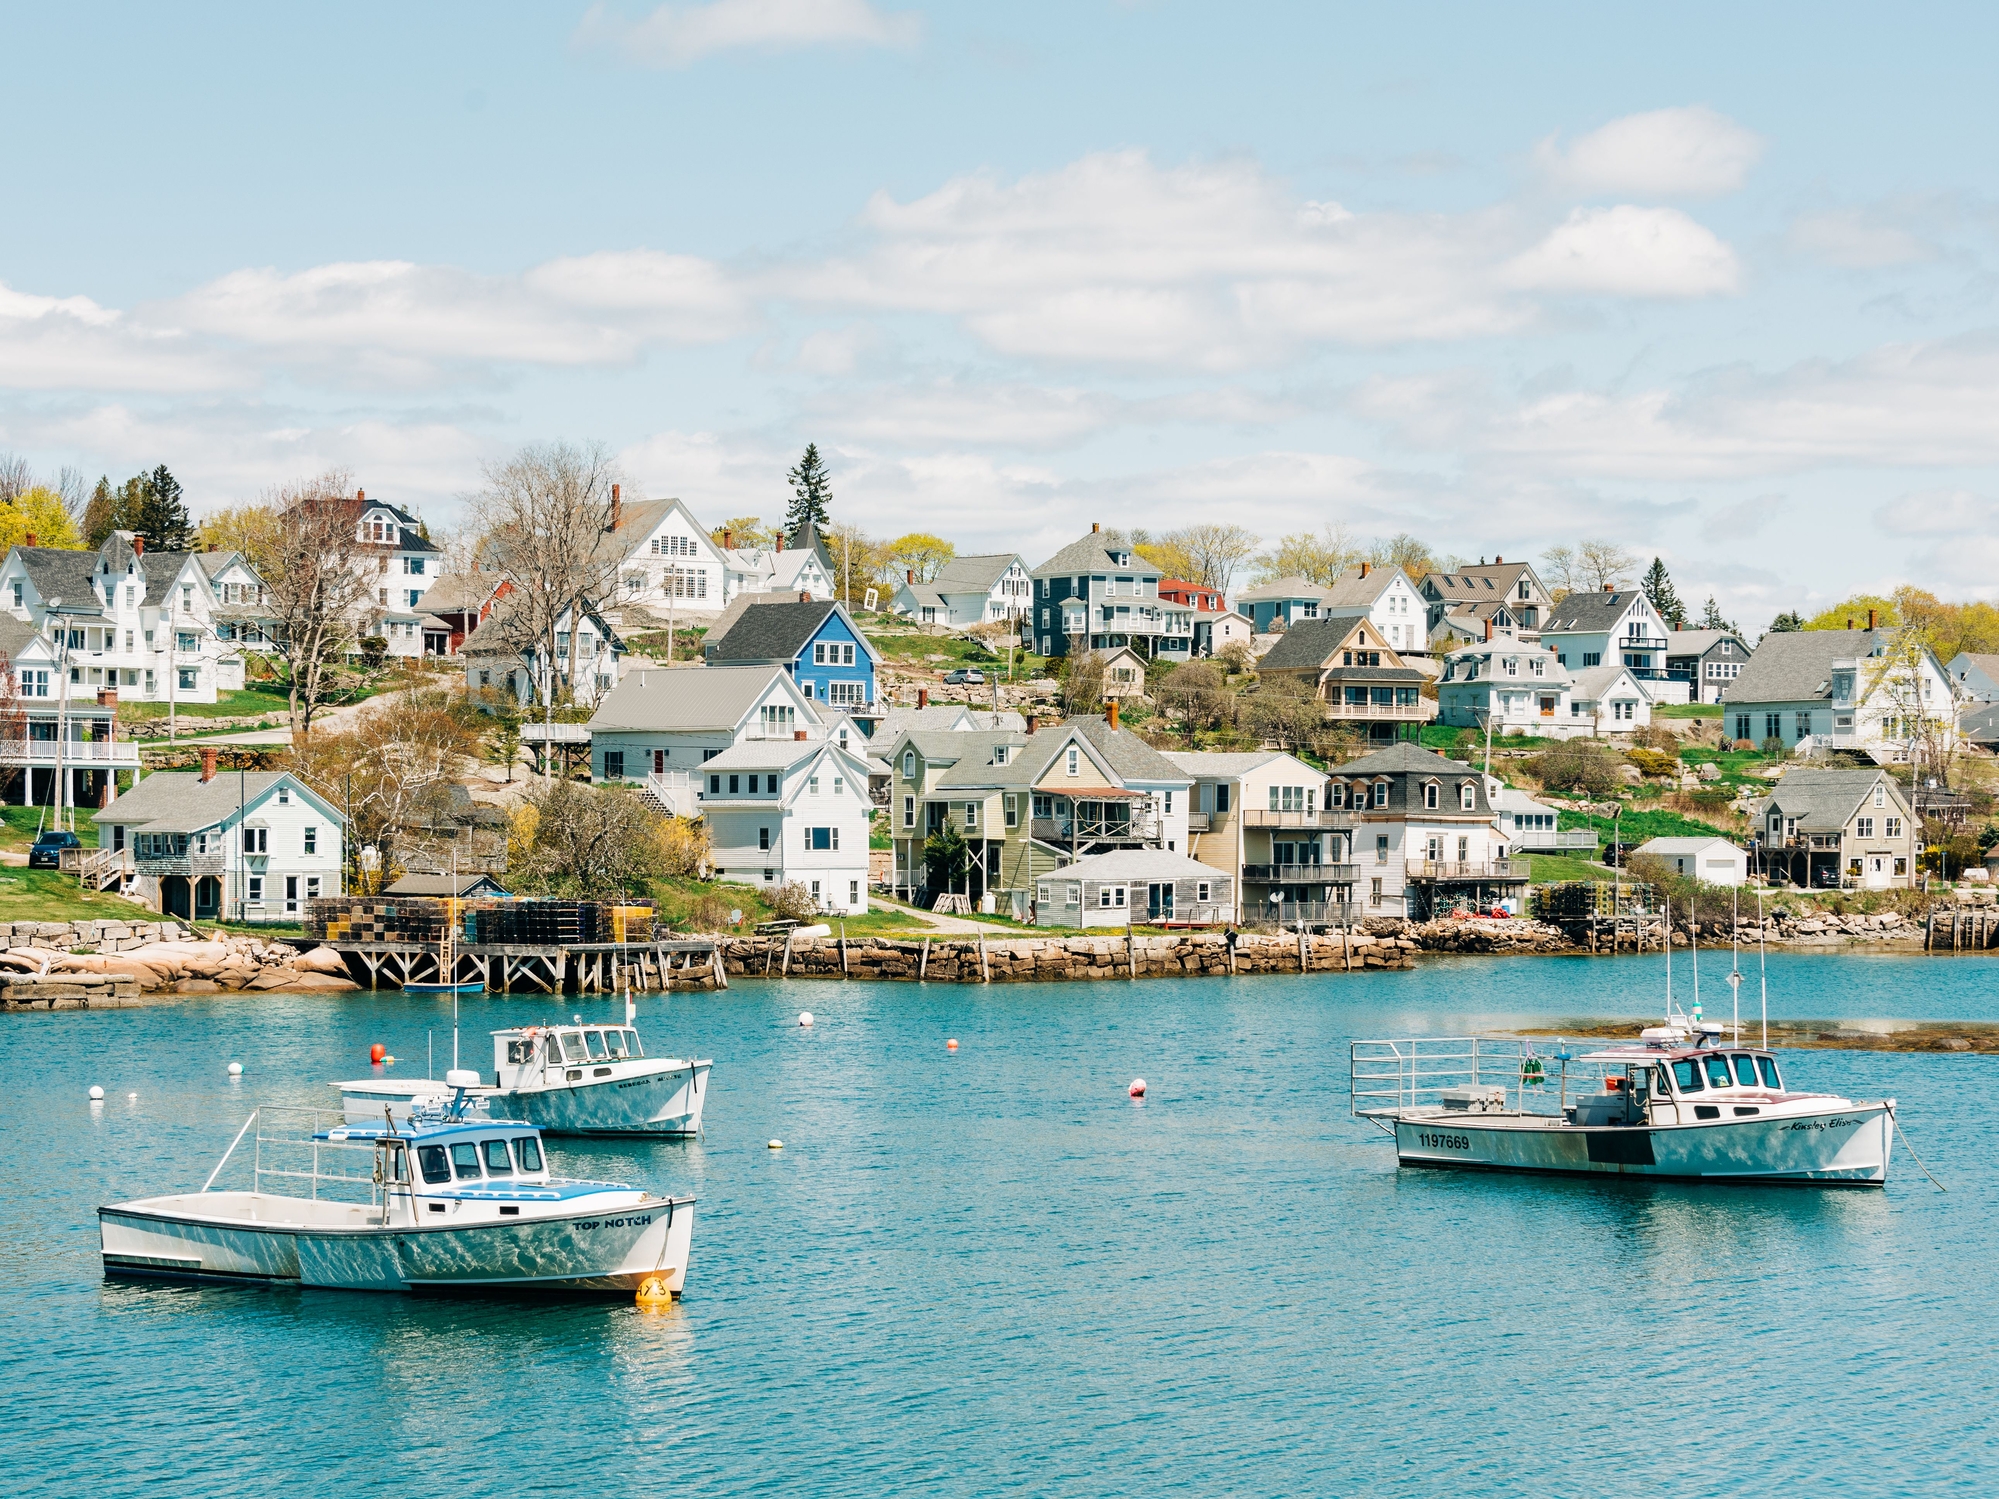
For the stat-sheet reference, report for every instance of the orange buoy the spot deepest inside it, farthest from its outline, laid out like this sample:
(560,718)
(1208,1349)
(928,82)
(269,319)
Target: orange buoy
(377,1052)
(653,1293)
(951,1045)
(1137,1088)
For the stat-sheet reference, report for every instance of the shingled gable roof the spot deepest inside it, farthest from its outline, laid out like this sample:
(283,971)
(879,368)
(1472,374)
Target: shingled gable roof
(410,537)
(689,699)
(179,801)
(1698,642)
(777,632)
(1795,666)
(1127,754)
(972,574)
(1310,643)
(60,573)
(1089,556)
(1824,801)
(1293,587)
(1362,586)
(1472,585)
(1590,613)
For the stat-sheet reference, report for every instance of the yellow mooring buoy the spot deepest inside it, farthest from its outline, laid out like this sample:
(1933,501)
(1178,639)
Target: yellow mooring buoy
(653,1292)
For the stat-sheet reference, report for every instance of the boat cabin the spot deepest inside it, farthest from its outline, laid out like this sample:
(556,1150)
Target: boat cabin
(563,1051)
(1681,1085)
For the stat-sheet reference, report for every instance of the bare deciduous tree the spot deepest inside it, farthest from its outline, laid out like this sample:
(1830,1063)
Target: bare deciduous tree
(1604,564)
(1217,549)
(1083,686)
(545,512)
(320,580)
(1316,557)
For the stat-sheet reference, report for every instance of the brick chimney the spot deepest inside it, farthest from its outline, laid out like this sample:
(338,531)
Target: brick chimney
(208,762)
(1497,560)
(1034,723)
(1870,618)
(1111,712)
(31,538)
(360,496)
(1849,621)
(211,546)
(617,506)
(910,574)
(923,697)
(107,697)
(1366,568)
(1094,528)
(1488,629)
(798,733)
(138,546)
(804,595)
(728,540)
(1610,588)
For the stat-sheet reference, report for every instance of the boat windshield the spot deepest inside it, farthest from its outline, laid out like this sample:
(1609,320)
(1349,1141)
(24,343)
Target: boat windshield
(529,1150)
(436,1165)
(1687,1073)
(615,1041)
(465,1161)
(1745,1070)
(597,1049)
(497,1161)
(1770,1076)
(1717,1073)
(572,1045)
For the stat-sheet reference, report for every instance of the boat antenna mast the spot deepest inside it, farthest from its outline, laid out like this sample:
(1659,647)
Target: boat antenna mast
(1762,965)
(1735,957)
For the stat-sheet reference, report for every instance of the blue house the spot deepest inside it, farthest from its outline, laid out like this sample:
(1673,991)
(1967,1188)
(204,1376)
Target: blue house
(817,642)
(1292,600)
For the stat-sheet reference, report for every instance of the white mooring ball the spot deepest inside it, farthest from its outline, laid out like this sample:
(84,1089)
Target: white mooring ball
(805,1018)
(235,1069)
(97,1095)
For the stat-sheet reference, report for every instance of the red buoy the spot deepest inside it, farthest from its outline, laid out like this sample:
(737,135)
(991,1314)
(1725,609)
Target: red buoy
(951,1045)
(377,1052)
(1137,1088)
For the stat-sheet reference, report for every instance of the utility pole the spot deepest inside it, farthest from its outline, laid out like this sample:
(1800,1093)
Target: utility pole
(62,702)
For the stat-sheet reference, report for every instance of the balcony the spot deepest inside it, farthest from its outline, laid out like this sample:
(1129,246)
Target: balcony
(1301,912)
(1089,829)
(1549,840)
(1447,871)
(1419,711)
(82,753)
(1325,820)
(1198,822)
(217,863)
(1300,874)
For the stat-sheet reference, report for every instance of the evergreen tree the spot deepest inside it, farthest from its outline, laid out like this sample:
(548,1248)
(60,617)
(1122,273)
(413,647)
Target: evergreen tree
(100,516)
(162,517)
(1787,622)
(1659,589)
(812,492)
(1712,619)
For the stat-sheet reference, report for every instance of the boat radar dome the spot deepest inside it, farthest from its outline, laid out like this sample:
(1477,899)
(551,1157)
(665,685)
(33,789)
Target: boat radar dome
(462,1077)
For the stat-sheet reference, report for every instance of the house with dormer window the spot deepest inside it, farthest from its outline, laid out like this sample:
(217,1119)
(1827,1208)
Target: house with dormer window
(1616,627)
(1485,592)
(790,811)
(1345,660)
(659,558)
(502,657)
(1513,687)
(1707,660)
(1095,595)
(968,591)
(818,645)
(1840,689)
(146,625)
(1837,829)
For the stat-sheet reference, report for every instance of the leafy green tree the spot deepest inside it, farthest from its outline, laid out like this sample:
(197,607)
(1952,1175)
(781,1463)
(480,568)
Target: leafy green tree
(1658,586)
(812,492)
(922,554)
(1713,619)
(100,515)
(1789,622)
(948,856)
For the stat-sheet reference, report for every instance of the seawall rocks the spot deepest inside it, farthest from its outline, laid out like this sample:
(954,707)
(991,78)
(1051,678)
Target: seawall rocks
(963,960)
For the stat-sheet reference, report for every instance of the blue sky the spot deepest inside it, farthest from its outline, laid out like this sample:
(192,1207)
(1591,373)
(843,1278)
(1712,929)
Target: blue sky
(1717,284)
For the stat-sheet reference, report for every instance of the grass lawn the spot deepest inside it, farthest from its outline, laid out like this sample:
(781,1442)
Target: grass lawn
(1636,827)
(1550,869)
(1444,739)
(251,701)
(50,895)
(1686,710)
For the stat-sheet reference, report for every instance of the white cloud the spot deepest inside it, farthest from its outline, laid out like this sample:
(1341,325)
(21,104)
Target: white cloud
(73,343)
(1632,252)
(1686,152)
(398,320)
(673,36)
(1938,512)
(951,414)
(1856,239)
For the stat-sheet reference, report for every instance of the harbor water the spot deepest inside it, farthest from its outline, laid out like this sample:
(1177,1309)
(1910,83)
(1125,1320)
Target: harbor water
(988,1271)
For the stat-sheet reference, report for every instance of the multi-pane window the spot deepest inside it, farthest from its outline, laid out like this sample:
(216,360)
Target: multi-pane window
(1863,827)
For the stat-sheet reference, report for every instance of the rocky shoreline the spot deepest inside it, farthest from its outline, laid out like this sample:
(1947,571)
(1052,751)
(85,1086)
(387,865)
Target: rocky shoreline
(40,967)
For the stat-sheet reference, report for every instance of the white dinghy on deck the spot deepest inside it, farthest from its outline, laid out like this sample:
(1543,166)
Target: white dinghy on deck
(450,1202)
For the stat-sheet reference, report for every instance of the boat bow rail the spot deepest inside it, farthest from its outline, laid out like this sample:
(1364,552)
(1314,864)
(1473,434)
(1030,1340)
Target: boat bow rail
(308,1145)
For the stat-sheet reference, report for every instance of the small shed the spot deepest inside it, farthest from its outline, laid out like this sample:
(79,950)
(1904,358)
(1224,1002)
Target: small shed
(1136,886)
(1124,673)
(1713,861)
(456,886)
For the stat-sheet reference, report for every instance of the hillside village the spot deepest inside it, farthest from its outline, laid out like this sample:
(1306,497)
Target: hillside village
(621,697)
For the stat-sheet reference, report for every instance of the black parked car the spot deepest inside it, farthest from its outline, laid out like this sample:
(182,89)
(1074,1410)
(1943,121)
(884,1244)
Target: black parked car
(46,851)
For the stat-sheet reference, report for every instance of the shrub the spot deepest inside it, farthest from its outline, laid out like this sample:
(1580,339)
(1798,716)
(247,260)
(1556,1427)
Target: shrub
(1774,748)
(792,900)
(1578,765)
(1653,762)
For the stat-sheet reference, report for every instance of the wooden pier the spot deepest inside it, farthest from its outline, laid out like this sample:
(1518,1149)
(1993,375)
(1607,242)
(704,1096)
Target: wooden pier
(1955,928)
(509,967)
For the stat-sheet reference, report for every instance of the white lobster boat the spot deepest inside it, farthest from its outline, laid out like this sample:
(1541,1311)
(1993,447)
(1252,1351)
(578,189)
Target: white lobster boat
(453,1204)
(1678,1102)
(567,1080)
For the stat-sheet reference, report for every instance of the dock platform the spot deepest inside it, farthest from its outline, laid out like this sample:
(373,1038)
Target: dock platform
(515,967)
